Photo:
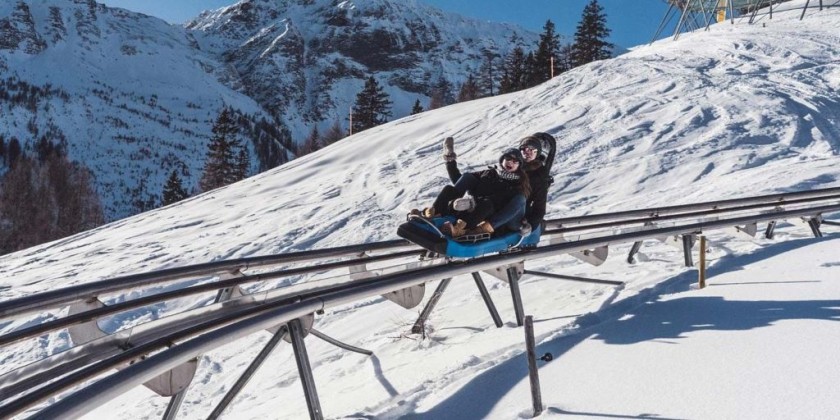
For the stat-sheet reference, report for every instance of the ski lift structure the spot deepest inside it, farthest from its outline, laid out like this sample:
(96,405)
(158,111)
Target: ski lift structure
(692,15)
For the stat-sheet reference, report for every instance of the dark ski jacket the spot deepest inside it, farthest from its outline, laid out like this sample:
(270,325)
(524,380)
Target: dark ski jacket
(539,181)
(494,188)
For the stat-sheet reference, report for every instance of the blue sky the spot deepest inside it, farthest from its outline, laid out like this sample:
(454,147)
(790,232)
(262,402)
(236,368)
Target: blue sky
(632,22)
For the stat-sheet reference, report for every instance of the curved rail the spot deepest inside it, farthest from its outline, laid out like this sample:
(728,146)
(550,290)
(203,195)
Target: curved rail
(280,311)
(61,297)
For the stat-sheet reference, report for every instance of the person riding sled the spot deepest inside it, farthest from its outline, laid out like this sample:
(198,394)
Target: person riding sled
(538,154)
(498,193)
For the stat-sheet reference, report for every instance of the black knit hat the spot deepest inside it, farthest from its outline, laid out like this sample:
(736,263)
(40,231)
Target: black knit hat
(515,154)
(531,141)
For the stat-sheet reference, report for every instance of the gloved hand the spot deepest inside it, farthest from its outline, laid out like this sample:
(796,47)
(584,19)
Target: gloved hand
(466,204)
(525,228)
(449,149)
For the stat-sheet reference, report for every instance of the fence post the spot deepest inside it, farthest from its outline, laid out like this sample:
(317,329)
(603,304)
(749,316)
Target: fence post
(702,269)
(533,373)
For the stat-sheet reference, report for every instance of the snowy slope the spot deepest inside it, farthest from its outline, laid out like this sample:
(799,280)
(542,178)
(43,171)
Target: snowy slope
(740,110)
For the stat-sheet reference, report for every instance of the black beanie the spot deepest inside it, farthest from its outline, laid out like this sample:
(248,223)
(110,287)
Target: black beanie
(514,153)
(532,142)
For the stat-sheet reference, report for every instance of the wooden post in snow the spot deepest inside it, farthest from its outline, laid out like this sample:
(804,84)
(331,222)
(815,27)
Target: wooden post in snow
(701,273)
(552,67)
(533,373)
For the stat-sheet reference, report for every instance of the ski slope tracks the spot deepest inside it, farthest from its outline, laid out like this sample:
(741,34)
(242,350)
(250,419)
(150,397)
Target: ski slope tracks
(739,110)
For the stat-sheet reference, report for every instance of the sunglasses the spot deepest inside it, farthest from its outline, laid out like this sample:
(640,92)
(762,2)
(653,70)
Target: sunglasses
(528,149)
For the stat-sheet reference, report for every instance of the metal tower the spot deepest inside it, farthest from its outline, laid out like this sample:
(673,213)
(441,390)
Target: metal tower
(695,14)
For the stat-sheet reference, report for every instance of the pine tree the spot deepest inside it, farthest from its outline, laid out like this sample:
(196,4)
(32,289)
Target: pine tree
(41,201)
(533,76)
(469,90)
(242,167)
(547,51)
(333,134)
(441,94)
(13,151)
(514,72)
(312,143)
(372,107)
(591,36)
(564,58)
(488,77)
(173,191)
(417,108)
(220,169)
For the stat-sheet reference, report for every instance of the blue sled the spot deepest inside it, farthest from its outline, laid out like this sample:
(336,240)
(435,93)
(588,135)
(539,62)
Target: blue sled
(426,233)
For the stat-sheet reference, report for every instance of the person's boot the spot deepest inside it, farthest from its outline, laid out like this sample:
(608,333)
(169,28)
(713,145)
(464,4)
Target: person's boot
(430,212)
(481,229)
(454,230)
(449,149)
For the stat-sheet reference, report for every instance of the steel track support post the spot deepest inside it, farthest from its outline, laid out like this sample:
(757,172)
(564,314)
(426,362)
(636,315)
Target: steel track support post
(222,295)
(420,324)
(305,370)
(174,404)
(814,223)
(731,12)
(513,278)
(680,22)
(688,242)
(757,7)
(665,18)
(246,376)
(771,230)
(533,372)
(487,300)
(631,256)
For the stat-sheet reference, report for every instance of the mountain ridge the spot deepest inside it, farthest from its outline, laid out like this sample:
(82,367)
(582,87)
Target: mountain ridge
(141,94)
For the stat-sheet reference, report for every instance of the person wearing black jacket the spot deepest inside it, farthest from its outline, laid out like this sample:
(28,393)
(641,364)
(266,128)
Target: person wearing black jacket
(535,152)
(498,200)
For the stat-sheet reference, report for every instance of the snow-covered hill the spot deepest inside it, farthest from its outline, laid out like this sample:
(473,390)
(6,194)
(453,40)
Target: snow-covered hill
(309,58)
(134,98)
(739,110)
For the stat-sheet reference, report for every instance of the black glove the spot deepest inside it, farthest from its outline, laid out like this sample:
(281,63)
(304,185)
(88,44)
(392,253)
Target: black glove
(525,228)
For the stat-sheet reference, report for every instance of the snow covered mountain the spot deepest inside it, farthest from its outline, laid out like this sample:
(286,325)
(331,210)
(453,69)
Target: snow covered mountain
(308,58)
(134,98)
(127,94)
(738,110)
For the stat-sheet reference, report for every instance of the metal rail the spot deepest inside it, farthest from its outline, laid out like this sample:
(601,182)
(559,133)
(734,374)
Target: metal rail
(674,214)
(90,315)
(94,314)
(780,198)
(282,311)
(65,296)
